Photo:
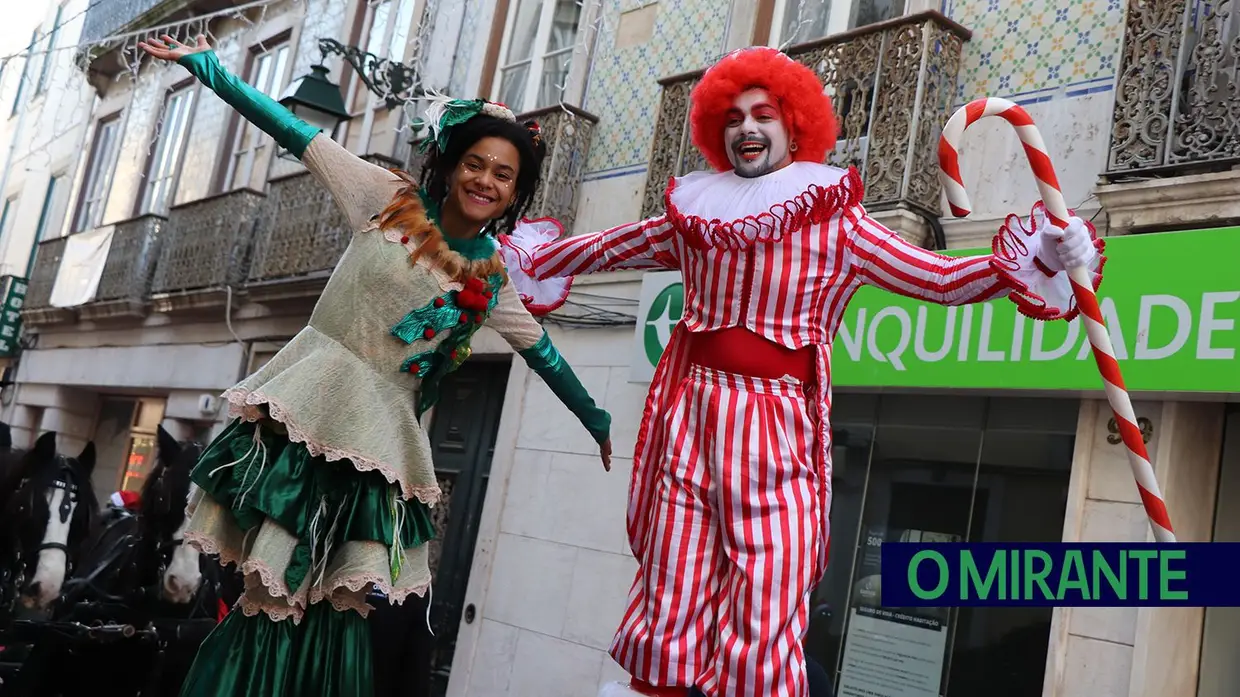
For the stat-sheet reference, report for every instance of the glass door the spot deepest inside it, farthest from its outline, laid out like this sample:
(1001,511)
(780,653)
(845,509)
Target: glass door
(937,468)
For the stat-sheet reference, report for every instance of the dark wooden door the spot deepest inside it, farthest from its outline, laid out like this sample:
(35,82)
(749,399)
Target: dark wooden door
(462,434)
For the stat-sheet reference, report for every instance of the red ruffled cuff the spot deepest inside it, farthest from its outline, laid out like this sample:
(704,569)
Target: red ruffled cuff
(1037,292)
(516,249)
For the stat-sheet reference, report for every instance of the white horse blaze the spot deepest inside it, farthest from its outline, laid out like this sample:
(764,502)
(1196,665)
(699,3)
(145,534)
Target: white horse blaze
(49,572)
(183,576)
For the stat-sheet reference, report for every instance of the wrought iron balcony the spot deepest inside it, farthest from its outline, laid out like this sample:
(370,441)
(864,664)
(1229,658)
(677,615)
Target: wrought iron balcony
(301,237)
(893,85)
(128,271)
(1177,100)
(566,133)
(106,18)
(38,308)
(206,250)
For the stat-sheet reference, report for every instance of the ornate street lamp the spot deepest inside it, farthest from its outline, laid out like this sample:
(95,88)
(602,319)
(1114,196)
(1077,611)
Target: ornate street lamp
(316,100)
(395,83)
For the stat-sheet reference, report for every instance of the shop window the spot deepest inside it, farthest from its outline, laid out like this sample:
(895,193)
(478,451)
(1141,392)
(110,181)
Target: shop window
(938,468)
(141,451)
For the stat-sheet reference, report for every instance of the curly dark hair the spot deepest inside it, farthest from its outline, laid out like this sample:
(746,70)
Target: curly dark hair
(439,166)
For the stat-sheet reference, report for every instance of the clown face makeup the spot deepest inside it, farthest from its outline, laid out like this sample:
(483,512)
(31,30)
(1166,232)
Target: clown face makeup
(756,135)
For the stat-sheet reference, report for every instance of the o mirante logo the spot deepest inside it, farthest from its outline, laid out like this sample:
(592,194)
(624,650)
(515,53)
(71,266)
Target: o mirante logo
(1060,574)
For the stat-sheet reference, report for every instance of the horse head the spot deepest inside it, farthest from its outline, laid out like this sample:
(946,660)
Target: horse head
(164,520)
(49,508)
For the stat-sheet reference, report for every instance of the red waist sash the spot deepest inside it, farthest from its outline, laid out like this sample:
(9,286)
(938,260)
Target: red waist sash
(740,351)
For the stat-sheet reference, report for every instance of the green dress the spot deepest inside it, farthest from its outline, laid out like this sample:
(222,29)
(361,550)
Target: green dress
(319,490)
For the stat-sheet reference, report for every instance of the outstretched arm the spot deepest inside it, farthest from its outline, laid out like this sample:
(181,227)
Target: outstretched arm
(650,244)
(882,258)
(530,341)
(1028,264)
(359,188)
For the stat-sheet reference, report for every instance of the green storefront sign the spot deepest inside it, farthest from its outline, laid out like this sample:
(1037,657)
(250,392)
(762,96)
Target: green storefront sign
(13,291)
(1171,300)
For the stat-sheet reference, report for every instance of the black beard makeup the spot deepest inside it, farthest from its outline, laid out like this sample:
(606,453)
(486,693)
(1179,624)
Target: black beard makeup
(763,164)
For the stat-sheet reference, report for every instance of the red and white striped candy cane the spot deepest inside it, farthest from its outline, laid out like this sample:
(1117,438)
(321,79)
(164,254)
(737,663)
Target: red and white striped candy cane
(1082,287)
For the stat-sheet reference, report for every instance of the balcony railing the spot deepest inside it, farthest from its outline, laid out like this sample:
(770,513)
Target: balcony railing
(301,237)
(207,246)
(566,133)
(128,271)
(1177,98)
(42,278)
(892,84)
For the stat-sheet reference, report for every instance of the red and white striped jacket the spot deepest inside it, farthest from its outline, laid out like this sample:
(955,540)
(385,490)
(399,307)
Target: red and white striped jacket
(782,255)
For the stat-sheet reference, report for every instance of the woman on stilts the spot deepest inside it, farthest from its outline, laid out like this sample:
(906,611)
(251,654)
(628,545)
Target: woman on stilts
(319,490)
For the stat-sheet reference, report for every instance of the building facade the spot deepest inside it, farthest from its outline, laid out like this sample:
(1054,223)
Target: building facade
(190,250)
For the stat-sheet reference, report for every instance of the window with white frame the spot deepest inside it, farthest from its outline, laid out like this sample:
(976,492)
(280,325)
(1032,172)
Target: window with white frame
(165,163)
(799,21)
(52,35)
(21,82)
(537,53)
(268,73)
(7,215)
(50,210)
(390,23)
(98,178)
(48,215)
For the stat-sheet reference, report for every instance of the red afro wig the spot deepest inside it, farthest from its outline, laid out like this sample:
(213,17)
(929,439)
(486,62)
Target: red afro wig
(806,110)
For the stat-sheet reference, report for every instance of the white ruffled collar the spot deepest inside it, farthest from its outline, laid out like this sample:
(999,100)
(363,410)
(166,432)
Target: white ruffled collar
(722,209)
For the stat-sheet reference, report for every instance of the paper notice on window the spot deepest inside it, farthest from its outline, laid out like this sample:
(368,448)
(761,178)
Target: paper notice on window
(81,267)
(891,653)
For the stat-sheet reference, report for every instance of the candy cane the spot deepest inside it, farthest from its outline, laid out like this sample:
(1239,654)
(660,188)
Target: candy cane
(1082,287)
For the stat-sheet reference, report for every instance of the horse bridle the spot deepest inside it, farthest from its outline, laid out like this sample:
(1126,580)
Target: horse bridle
(63,481)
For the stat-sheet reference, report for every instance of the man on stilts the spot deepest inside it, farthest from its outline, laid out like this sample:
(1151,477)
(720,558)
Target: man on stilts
(731,486)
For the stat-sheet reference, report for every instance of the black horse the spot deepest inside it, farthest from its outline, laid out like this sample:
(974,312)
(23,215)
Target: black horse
(47,510)
(182,591)
(139,576)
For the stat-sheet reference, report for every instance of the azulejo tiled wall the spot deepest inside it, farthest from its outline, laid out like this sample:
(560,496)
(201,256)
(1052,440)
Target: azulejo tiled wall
(624,91)
(1033,50)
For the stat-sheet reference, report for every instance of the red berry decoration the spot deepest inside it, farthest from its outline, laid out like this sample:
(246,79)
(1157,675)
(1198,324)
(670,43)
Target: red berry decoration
(478,319)
(404,239)
(464,318)
(452,355)
(439,302)
(428,334)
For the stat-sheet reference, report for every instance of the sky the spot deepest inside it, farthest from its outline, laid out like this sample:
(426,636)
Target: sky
(20,18)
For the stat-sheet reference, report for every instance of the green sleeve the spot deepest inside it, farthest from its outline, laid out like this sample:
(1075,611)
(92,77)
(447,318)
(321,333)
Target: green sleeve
(544,359)
(289,131)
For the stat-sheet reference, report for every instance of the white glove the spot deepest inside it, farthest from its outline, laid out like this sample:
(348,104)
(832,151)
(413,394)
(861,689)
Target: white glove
(1075,249)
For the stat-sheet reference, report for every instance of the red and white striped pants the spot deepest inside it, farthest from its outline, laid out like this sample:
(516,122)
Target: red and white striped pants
(722,598)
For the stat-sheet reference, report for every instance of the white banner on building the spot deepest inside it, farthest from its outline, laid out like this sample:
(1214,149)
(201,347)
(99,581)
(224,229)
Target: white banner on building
(661,307)
(81,267)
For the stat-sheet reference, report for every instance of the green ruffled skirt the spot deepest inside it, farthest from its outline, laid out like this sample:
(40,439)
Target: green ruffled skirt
(253,477)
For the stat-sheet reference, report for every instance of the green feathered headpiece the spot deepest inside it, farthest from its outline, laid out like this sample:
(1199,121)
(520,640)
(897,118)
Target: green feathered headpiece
(443,113)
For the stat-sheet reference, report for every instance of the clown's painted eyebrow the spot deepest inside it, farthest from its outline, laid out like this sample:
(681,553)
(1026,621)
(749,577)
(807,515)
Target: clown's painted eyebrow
(759,109)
